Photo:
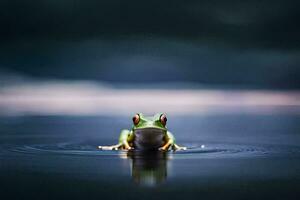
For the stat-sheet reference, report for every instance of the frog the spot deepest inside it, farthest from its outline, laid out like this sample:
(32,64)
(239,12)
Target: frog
(147,133)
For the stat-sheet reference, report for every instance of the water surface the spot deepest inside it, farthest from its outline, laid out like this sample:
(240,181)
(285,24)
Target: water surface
(238,156)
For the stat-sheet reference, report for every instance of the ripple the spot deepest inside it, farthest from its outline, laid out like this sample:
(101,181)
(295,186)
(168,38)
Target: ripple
(226,150)
(63,149)
(193,151)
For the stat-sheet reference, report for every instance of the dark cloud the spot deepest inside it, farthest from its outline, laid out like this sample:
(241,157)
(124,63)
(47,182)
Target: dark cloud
(250,42)
(154,60)
(263,23)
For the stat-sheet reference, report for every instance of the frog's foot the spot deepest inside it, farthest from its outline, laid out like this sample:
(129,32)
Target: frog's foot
(126,146)
(113,147)
(178,148)
(166,146)
(174,147)
(163,149)
(171,145)
(116,147)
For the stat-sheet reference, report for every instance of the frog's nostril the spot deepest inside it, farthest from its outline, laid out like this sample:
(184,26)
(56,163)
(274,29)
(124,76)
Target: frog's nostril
(136,119)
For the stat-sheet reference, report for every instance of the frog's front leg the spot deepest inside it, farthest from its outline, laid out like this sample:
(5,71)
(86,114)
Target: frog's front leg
(125,141)
(170,142)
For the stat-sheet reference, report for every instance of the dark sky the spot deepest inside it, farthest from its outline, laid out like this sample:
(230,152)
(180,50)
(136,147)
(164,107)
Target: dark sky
(253,42)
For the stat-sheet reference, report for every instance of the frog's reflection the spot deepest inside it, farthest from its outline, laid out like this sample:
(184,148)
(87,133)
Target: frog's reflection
(148,168)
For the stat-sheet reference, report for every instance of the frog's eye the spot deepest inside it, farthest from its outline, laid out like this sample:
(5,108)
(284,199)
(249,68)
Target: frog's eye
(136,119)
(163,119)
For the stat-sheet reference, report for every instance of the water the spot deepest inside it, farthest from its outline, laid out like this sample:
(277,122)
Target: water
(229,157)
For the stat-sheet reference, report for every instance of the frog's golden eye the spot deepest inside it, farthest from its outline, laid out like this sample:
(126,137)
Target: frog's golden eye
(163,119)
(136,119)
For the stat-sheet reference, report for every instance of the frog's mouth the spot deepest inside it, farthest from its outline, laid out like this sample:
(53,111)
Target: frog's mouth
(149,138)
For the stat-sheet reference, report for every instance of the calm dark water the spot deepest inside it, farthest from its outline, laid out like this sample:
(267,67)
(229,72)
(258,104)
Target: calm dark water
(229,157)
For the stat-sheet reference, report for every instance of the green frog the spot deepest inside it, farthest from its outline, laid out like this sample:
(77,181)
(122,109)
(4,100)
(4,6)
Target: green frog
(147,133)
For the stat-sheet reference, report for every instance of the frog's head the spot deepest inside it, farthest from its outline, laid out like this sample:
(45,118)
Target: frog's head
(149,131)
(157,121)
